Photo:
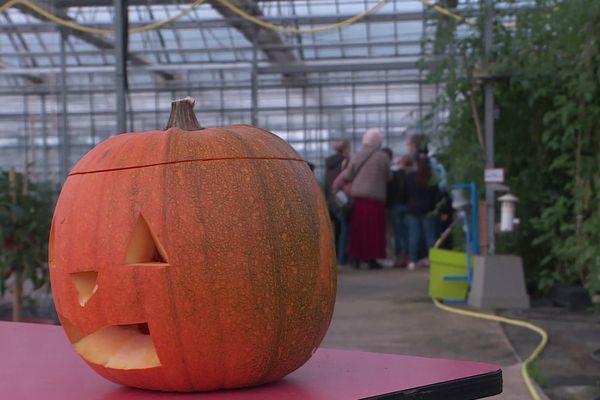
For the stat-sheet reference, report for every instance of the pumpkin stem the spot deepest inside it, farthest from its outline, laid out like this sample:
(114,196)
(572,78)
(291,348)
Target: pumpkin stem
(182,115)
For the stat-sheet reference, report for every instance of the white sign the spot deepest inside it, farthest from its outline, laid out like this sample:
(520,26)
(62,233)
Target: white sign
(494,175)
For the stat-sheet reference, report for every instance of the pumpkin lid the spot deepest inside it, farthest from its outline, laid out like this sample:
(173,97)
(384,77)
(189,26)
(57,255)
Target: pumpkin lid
(184,141)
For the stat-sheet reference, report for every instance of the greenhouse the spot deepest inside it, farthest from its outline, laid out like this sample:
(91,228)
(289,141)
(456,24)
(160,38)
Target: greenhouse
(189,187)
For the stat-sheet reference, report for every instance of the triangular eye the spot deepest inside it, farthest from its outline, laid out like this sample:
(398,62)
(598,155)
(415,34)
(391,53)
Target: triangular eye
(86,285)
(144,247)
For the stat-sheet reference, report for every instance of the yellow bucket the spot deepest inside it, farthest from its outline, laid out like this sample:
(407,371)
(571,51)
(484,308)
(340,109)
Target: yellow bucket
(445,263)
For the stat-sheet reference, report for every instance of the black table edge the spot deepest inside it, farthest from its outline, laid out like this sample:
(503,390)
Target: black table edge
(471,388)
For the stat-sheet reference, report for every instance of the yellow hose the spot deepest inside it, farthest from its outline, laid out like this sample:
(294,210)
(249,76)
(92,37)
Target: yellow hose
(448,13)
(279,28)
(525,366)
(96,31)
(159,24)
(232,7)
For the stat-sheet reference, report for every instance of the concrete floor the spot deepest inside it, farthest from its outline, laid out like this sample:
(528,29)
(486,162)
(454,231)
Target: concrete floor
(569,368)
(389,311)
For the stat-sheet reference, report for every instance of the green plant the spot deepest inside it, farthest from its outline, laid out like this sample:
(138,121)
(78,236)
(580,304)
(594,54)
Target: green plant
(536,373)
(25,216)
(546,72)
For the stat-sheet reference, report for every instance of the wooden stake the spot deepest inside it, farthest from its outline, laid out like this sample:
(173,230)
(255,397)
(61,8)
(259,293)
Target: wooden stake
(474,110)
(17,272)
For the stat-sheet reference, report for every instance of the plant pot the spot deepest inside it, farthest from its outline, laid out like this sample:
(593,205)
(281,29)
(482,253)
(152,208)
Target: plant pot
(571,297)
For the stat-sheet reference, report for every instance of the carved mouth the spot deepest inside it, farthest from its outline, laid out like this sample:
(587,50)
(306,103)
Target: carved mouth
(116,346)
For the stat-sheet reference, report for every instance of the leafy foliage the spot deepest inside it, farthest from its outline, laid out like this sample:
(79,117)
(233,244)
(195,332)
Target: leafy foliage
(546,72)
(24,229)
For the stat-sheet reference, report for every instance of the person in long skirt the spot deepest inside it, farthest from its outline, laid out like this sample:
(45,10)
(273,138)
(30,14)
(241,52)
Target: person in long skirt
(369,171)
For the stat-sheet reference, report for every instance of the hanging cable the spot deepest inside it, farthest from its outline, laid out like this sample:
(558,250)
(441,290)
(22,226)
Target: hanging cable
(284,29)
(159,24)
(97,31)
(447,12)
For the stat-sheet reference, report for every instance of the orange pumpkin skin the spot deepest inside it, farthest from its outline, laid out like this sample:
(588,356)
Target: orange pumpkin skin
(242,292)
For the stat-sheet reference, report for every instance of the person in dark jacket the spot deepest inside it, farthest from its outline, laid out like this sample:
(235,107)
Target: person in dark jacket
(422,195)
(416,145)
(334,164)
(396,202)
(446,217)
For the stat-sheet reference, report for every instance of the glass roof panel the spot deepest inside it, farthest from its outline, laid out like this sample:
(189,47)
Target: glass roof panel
(310,88)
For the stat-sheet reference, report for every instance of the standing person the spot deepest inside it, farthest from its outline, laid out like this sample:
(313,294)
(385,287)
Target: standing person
(446,218)
(389,228)
(417,145)
(333,165)
(422,194)
(398,209)
(369,171)
(342,214)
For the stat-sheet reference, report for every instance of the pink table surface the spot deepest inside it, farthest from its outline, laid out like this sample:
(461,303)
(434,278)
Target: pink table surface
(37,362)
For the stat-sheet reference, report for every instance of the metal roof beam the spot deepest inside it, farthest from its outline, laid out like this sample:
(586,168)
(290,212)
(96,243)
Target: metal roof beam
(409,105)
(204,50)
(343,67)
(97,41)
(371,64)
(22,54)
(182,86)
(260,36)
(28,77)
(252,33)
(109,3)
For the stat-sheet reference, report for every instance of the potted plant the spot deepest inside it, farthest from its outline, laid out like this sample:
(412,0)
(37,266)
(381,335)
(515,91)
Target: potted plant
(25,217)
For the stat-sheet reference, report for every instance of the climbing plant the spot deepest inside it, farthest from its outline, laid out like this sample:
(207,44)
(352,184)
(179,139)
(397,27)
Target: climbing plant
(545,67)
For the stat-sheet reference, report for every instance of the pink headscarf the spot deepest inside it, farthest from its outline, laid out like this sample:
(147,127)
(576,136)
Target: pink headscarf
(373,137)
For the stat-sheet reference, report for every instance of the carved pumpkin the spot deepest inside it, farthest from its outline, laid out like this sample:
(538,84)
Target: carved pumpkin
(193,259)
